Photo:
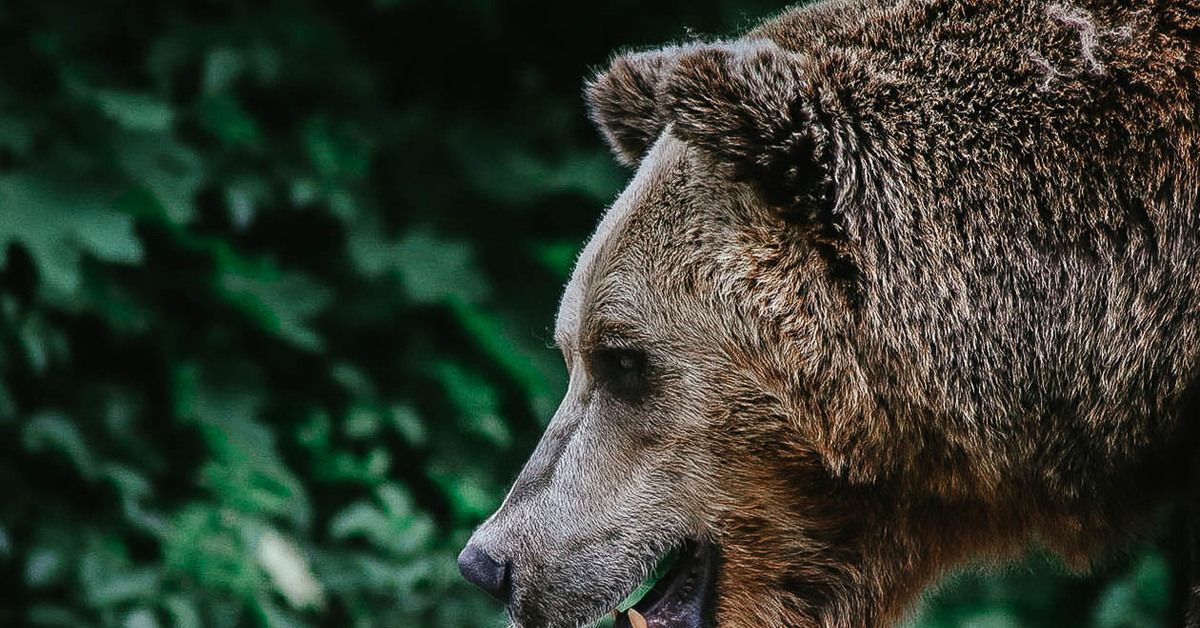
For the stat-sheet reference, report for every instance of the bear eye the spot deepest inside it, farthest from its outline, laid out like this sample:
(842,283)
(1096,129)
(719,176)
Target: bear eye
(621,371)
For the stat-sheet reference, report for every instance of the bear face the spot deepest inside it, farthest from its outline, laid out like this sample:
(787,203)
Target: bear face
(678,430)
(637,460)
(895,285)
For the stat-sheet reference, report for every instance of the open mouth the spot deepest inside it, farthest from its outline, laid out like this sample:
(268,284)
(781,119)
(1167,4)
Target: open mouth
(682,597)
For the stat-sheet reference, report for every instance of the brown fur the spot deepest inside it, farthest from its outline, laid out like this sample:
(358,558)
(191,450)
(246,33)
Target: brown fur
(916,283)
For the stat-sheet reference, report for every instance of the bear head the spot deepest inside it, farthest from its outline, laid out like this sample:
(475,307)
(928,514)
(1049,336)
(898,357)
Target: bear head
(681,326)
(817,345)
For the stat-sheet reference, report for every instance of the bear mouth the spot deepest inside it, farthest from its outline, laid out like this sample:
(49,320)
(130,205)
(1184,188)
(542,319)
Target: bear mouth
(682,598)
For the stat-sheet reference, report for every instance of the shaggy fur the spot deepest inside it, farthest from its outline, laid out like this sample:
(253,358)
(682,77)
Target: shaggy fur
(916,284)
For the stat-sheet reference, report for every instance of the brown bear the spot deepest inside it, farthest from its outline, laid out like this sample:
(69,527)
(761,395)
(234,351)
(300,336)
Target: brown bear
(897,284)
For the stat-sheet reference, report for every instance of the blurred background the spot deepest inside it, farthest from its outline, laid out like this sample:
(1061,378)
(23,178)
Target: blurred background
(276,288)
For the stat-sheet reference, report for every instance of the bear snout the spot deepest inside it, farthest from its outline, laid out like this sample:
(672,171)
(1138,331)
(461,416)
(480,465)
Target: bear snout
(485,572)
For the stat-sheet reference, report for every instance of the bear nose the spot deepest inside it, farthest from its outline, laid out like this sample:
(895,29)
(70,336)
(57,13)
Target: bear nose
(485,572)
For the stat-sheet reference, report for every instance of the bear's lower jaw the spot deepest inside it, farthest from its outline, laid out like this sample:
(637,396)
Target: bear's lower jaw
(681,599)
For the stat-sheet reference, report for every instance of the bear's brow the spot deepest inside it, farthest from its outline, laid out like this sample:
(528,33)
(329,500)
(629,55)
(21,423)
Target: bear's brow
(609,333)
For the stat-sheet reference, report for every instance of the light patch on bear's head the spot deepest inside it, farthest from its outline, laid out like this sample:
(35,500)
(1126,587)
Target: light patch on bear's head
(597,252)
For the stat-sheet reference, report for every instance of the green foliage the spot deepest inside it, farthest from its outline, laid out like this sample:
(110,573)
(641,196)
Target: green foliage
(1131,591)
(276,281)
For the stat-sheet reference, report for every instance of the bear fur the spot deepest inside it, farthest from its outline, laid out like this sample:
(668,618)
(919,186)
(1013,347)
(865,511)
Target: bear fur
(939,263)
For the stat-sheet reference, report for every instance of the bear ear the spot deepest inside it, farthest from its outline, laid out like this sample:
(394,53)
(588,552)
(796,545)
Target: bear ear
(623,102)
(749,106)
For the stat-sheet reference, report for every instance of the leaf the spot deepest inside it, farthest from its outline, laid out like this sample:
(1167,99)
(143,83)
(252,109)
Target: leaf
(316,431)
(107,587)
(50,430)
(997,618)
(183,612)
(398,530)
(134,488)
(352,378)
(557,256)
(1152,577)
(397,502)
(356,519)
(471,495)
(505,341)
(244,470)
(335,151)
(55,615)
(227,120)
(140,618)
(206,545)
(43,345)
(58,222)
(222,68)
(304,192)
(289,571)
(242,199)
(361,423)
(1137,596)
(378,463)
(473,498)
(44,566)
(431,269)
(171,172)
(273,616)
(434,269)
(477,402)
(516,175)
(135,111)
(282,304)
(409,425)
